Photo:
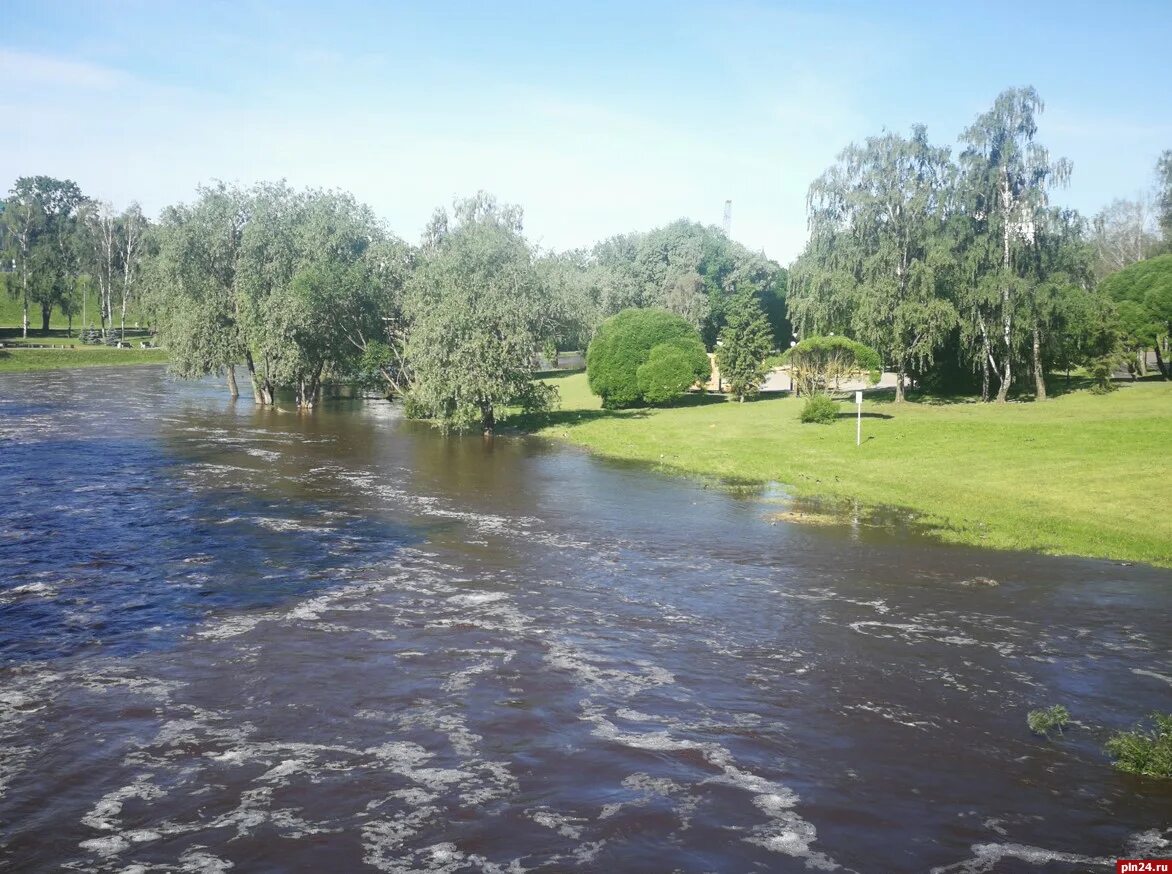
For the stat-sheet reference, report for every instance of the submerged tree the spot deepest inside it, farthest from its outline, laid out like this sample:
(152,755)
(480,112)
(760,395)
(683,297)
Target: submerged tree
(477,320)
(290,284)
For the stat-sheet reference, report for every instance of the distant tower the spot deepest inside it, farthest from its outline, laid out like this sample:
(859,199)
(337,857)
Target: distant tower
(728,219)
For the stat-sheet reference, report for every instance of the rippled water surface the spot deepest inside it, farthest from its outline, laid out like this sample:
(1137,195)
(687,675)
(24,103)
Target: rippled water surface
(244,640)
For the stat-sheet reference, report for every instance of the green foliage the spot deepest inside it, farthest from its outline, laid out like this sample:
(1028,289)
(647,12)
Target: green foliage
(624,343)
(688,269)
(292,284)
(744,345)
(477,317)
(819,409)
(1144,751)
(819,364)
(1044,721)
(1143,293)
(670,370)
(879,256)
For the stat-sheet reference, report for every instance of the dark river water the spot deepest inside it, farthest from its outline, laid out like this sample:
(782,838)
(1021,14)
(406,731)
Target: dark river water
(241,640)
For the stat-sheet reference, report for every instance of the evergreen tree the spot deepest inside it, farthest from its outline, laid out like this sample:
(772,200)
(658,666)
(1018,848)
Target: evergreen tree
(745,342)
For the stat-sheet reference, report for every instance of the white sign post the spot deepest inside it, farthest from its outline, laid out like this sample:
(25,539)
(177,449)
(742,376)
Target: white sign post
(859,418)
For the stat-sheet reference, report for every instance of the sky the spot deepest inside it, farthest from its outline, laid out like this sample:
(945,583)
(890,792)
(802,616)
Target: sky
(597,117)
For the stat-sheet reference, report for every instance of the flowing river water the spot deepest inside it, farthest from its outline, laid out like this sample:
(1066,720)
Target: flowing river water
(248,640)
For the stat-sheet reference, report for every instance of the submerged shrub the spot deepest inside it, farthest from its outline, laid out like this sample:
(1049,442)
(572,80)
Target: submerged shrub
(820,409)
(624,343)
(1146,752)
(1048,719)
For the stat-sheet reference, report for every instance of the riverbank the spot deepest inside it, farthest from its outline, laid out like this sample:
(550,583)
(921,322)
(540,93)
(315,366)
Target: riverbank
(14,359)
(1080,474)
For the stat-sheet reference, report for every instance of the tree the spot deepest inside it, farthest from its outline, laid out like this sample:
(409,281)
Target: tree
(1005,181)
(477,319)
(1125,232)
(624,343)
(291,284)
(1164,195)
(1057,267)
(1143,295)
(879,255)
(194,287)
(818,364)
(745,343)
(42,216)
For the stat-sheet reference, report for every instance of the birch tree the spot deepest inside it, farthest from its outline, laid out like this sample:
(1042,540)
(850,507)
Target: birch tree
(1006,180)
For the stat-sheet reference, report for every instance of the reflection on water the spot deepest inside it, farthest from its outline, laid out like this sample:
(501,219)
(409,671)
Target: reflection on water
(259,640)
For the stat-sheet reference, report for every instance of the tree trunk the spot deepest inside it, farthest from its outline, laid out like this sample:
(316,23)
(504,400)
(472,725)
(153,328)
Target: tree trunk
(46,311)
(1039,374)
(1165,370)
(1006,378)
(233,389)
(899,377)
(1142,360)
(256,391)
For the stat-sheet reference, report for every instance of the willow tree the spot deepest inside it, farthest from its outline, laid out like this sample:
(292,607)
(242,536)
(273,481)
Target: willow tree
(193,282)
(291,284)
(879,254)
(477,320)
(1006,178)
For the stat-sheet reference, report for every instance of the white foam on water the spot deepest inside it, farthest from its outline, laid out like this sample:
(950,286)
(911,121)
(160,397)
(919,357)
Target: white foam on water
(986,858)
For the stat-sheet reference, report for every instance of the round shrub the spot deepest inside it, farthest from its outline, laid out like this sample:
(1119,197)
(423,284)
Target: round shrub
(624,343)
(819,409)
(670,370)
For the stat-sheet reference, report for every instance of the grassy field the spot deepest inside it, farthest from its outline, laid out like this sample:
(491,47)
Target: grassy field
(12,360)
(1080,474)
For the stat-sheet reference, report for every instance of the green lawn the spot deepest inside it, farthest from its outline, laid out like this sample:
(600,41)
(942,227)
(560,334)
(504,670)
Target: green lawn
(1080,474)
(12,360)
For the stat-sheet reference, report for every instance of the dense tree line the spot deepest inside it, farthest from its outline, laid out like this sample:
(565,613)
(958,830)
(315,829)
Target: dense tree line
(938,261)
(296,287)
(958,269)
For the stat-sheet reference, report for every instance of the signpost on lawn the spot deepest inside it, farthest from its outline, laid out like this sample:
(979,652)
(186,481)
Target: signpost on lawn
(859,418)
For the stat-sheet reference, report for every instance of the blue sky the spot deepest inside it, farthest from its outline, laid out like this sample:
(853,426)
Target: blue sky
(597,118)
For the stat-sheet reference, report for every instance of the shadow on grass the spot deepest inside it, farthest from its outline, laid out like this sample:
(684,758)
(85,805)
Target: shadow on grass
(563,418)
(866,415)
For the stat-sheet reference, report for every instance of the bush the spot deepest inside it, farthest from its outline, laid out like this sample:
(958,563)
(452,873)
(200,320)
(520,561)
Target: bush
(670,371)
(818,364)
(624,343)
(1144,752)
(819,409)
(1048,719)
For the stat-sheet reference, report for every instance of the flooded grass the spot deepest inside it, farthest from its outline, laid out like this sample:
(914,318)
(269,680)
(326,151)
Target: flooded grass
(1074,475)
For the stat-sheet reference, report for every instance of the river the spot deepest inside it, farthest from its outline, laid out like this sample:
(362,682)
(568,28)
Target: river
(246,640)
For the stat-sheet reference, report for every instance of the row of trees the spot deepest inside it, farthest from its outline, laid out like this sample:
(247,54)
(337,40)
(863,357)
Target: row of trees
(59,246)
(948,267)
(297,286)
(936,261)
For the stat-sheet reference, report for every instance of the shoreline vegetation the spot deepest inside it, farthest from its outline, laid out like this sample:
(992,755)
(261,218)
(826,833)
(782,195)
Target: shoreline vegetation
(1061,478)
